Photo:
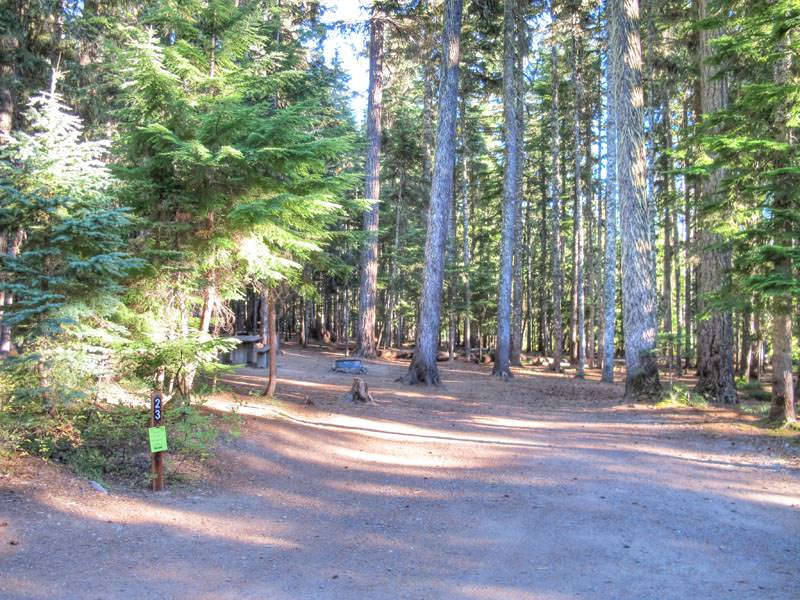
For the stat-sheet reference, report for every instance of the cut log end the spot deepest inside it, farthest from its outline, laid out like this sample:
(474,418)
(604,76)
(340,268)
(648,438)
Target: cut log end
(359,392)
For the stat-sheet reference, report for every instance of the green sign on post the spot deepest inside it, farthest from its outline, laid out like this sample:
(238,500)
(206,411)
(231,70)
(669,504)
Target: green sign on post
(158,438)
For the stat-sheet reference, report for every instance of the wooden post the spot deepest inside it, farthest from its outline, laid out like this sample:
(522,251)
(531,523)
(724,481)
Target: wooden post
(158,457)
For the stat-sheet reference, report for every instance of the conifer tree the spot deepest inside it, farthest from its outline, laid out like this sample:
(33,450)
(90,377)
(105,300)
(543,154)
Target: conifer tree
(638,281)
(423,367)
(66,277)
(369,255)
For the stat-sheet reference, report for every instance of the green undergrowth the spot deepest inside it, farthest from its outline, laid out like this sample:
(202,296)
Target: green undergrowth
(680,395)
(108,442)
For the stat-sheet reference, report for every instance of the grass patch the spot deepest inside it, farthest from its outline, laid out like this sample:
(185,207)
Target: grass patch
(680,395)
(756,409)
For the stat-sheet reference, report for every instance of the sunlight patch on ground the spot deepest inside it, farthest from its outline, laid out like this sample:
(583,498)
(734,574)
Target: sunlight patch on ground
(498,592)
(138,512)
(24,588)
(506,422)
(769,498)
(410,459)
(385,490)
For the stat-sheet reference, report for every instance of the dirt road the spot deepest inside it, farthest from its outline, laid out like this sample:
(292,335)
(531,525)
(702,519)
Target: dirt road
(542,487)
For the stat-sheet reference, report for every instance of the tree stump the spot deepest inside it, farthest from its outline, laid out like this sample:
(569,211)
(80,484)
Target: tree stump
(359,392)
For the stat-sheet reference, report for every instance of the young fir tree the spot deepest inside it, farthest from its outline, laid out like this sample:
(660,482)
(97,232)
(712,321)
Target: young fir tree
(66,276)
(228,156)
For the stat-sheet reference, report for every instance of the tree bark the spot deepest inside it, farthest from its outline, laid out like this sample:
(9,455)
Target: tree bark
(638,281)
(466,254)
(555,198)
(209,302)
(11,247)
(393,337)
(515,356)
(715,329)
(687,217)
(502,366)
(272,379)
(610,258)
(6,113)
(578,264)
(423,366)
(678,297)
(544,338)
(746,353)
(369,255)
(783,400)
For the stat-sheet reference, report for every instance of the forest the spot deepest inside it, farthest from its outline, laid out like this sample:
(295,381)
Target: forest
(550,211)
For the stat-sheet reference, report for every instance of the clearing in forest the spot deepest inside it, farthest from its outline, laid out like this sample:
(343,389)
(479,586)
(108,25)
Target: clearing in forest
(541,487)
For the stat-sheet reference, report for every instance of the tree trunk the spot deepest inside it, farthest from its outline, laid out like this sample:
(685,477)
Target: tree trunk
(578,258)
(263,310)
(369,255)
(544,339)
(638,282)
(746,343)
(502,367)
(783,400)
(667,288)
(466,257)
(427,107)
(272,379)
(590,253)
(394,292)
(555,198)
(678,296)
(12,248)
(610,258)
(209,302)
(346,322)
(687,216)
(515,356)
(423,366)
(715,329)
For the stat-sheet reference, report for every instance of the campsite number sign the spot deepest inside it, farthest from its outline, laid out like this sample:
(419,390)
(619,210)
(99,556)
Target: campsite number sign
(157,435)
(157,408)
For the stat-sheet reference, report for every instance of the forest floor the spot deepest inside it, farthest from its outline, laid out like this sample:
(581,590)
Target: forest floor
(542,487)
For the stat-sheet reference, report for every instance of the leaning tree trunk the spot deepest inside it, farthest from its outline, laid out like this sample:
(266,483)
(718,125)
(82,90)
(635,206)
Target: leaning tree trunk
(555,197)
(423,366)
(715,329)
(369,254)
(610,259)
(502,367)
(638,281)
